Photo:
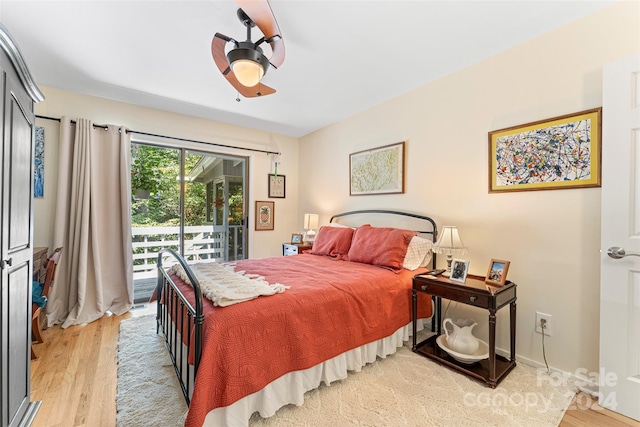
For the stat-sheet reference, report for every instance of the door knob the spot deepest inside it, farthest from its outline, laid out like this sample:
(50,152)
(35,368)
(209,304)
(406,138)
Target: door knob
(3,263)
(617,252)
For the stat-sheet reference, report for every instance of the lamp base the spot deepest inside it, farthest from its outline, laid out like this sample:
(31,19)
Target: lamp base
(447,273)
(309,237)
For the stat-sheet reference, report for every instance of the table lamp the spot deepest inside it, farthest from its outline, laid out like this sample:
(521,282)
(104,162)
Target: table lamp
(449,243)
(310,224)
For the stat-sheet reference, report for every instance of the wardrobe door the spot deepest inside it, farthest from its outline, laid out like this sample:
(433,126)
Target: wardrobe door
(16,248)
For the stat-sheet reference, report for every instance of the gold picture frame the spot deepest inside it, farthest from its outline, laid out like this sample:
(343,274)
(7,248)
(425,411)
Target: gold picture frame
(377,171)
(497,272)
(557,153)
(296,239)
(264,216)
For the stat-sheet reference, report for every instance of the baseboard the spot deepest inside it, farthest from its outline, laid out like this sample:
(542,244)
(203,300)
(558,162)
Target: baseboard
(558,376)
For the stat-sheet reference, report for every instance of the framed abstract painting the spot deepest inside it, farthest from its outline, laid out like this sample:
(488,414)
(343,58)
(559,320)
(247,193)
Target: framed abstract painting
(556,153)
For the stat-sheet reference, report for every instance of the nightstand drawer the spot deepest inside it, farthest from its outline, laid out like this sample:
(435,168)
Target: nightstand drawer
(289,250)
(464,296)
(294,249)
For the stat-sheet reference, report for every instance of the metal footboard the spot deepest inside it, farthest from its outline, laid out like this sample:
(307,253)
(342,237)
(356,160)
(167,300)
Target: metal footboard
(179,322)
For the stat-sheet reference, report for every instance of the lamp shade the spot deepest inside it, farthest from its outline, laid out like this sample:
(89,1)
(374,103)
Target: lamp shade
(311,221)
(449,241)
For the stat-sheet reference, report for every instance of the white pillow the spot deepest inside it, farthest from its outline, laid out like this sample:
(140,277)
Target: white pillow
(418,253)
(338,225)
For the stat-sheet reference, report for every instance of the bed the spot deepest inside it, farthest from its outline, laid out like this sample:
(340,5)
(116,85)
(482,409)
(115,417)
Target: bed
(339,306)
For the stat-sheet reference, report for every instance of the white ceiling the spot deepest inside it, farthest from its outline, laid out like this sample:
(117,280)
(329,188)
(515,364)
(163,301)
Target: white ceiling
(342,57)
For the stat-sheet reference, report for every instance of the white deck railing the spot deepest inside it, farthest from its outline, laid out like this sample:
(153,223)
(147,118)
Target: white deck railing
(200,242)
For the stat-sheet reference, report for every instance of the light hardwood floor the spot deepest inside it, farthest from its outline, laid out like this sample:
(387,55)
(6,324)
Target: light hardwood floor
(75,377)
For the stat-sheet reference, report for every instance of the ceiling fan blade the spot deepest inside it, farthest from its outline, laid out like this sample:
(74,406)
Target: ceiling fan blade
(261,14)
(225,38)
(217,51)
(252,92)
(277,58)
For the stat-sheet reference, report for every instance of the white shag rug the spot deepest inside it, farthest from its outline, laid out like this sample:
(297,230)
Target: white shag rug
(149,393)
(404,389)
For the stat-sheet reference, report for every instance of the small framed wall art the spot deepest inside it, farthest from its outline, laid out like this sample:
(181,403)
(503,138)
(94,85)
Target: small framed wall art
(560,152)
(459,270)
(277,186)
(497,273)
(264,216)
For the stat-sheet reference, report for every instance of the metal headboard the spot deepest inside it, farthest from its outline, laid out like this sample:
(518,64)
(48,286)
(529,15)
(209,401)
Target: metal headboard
(433,232)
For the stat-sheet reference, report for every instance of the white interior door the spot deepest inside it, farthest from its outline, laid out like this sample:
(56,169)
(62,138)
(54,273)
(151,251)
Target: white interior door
(620,275)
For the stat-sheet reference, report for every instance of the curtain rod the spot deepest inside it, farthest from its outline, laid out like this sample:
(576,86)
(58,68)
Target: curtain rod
(57,119)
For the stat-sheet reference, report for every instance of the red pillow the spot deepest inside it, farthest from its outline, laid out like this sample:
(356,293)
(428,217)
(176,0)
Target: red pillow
(333,241)
(384,247)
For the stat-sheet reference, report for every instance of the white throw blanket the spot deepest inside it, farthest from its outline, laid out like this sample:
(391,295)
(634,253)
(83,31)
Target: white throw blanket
(224,286)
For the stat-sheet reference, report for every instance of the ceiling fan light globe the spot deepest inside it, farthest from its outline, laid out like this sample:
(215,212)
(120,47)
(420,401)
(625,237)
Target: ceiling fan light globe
(247,71)
(248,63)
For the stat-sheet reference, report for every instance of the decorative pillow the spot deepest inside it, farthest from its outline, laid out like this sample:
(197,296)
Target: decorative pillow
(381,246)
(333,241)
(418,253)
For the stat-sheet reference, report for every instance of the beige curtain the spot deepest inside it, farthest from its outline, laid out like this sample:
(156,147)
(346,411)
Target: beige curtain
(93,224)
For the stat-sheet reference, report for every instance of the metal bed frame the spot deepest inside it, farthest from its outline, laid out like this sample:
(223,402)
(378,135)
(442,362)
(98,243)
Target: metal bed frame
(175,313)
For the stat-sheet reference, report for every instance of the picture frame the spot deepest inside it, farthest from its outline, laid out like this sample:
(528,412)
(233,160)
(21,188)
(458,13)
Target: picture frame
(264,216)
(497,272)
(378,170)
(296,239)
(38,163)
(459,270)
(557,153)
(277,186)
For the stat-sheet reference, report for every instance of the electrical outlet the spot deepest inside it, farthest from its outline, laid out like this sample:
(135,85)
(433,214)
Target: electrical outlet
(544,319)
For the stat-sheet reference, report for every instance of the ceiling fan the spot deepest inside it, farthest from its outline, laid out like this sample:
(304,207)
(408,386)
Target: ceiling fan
(245,64)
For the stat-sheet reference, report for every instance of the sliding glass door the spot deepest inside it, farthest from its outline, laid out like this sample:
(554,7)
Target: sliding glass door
(193,202)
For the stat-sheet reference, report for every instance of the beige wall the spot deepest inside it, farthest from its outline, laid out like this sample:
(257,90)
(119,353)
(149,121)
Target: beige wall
(262,243)
(551,237)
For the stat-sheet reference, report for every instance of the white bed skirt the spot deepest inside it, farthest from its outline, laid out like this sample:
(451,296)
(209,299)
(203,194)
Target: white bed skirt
(291,387)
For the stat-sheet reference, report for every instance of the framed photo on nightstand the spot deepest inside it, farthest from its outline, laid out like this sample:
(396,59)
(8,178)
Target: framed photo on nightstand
(296,239)
(497,273)
(459,270)
(277,186)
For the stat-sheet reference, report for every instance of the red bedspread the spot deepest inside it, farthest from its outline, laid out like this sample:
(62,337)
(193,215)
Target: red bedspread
(331,307)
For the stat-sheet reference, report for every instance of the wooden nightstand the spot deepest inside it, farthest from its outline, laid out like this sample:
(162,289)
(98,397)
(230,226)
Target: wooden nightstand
(294,248)
(477,293)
